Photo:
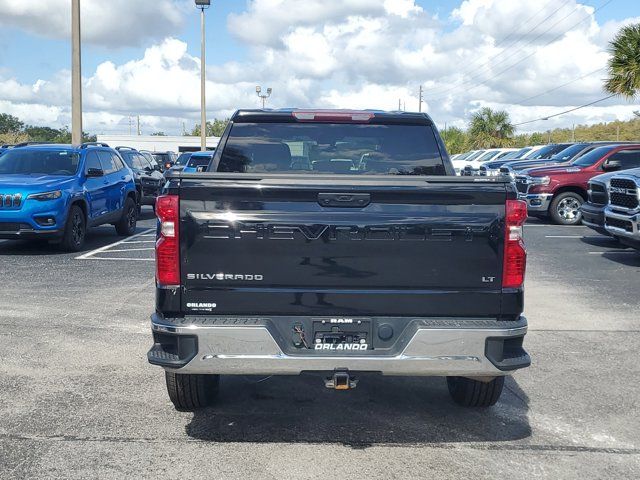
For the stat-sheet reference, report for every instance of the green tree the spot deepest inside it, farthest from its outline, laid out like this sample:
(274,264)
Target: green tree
(10,124)
(41,134)
(455,140)
(214,129)
(537,138)
(65,136)
(624,63)
(491,129)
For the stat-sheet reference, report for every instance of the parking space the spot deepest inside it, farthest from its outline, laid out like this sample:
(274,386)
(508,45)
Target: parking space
(78,398)
(138,247)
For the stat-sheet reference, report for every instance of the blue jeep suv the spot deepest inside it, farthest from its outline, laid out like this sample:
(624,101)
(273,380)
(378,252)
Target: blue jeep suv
(58,191)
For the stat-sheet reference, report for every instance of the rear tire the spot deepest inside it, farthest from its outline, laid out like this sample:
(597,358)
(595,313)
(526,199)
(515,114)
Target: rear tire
(565,209)
(473,393)
(126,226)
(191,392)
(75,230)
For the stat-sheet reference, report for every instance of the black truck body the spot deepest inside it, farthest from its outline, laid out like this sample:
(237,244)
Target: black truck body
(331,265)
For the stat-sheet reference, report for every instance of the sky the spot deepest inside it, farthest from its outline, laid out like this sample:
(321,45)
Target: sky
(142,57)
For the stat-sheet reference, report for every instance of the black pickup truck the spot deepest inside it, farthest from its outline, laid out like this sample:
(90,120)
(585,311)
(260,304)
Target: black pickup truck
(337,242)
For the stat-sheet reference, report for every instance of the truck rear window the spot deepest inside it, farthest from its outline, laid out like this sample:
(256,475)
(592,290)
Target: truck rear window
(351,149)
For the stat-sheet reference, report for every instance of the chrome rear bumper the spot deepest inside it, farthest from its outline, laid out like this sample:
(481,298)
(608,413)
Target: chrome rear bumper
(474,348)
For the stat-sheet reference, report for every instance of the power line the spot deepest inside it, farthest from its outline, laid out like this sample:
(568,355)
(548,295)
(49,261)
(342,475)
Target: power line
(559,86)
(566,111)
(488,60)
(525,57)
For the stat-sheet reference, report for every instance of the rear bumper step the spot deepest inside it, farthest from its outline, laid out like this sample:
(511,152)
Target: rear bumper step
(431,347)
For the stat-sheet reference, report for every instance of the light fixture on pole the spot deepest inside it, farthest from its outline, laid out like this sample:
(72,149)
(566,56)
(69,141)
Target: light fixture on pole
(203,5)
(262,95)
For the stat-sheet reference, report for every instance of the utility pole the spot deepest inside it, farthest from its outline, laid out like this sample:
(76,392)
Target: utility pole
(130,126)
(76,75)
(420,97)
(617,133)
(573,133)
(203,5)
(399,104)
(139,133)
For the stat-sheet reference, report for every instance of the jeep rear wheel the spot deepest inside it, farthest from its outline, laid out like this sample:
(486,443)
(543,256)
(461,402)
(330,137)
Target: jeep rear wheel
(126,226)
(191,392)
(474,393)
(565,208)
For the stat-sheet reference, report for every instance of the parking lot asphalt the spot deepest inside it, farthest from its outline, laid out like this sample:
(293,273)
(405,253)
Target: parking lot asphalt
(79,400)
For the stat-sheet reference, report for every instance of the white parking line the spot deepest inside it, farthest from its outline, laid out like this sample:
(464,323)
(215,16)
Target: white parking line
(107,247)
(141,241)
(614,251)
(564,236)
(559,226)
(125,259)
(129,250)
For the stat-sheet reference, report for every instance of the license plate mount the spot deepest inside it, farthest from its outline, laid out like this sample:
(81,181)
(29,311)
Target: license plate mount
(338,334)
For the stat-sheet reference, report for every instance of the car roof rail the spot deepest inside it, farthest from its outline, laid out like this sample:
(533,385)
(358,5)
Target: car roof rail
(26,144)
(94,144)
(126,148)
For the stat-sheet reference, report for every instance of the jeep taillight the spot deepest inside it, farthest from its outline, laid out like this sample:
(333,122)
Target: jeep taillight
(168,245)
(515,255)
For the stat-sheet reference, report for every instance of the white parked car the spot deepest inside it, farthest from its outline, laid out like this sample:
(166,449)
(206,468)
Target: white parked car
(464,159)
(473,167)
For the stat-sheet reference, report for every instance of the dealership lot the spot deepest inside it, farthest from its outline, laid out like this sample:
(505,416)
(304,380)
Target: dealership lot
(78,398)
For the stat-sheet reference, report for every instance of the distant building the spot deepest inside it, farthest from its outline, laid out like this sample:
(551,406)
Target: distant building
(157,143)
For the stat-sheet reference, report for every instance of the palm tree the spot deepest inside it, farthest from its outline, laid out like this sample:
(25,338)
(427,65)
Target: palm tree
(490,129)
(624,63)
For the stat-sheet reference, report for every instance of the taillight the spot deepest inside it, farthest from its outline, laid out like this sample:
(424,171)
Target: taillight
(168,245)
(515,255)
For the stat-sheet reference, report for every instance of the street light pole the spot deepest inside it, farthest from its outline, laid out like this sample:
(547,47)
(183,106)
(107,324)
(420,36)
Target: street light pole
(76,75)
(202,5)
(263,96)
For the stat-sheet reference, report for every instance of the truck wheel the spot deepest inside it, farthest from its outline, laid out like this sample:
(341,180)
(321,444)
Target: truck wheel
(565,208)
(75,230)
(126,226)
(191,392)
(474,393)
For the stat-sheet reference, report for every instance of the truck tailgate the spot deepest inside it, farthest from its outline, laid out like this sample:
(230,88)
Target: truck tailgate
(397,246)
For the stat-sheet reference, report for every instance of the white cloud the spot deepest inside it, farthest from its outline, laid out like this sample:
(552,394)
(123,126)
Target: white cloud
(112,23)
(357,54)
(264,21)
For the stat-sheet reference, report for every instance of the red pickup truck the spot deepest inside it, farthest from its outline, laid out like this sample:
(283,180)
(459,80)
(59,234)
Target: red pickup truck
(560,190)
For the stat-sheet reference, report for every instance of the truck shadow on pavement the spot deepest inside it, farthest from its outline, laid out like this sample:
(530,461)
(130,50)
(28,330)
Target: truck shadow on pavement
(628,259)
(602,241)
(382,410)
(618,252)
